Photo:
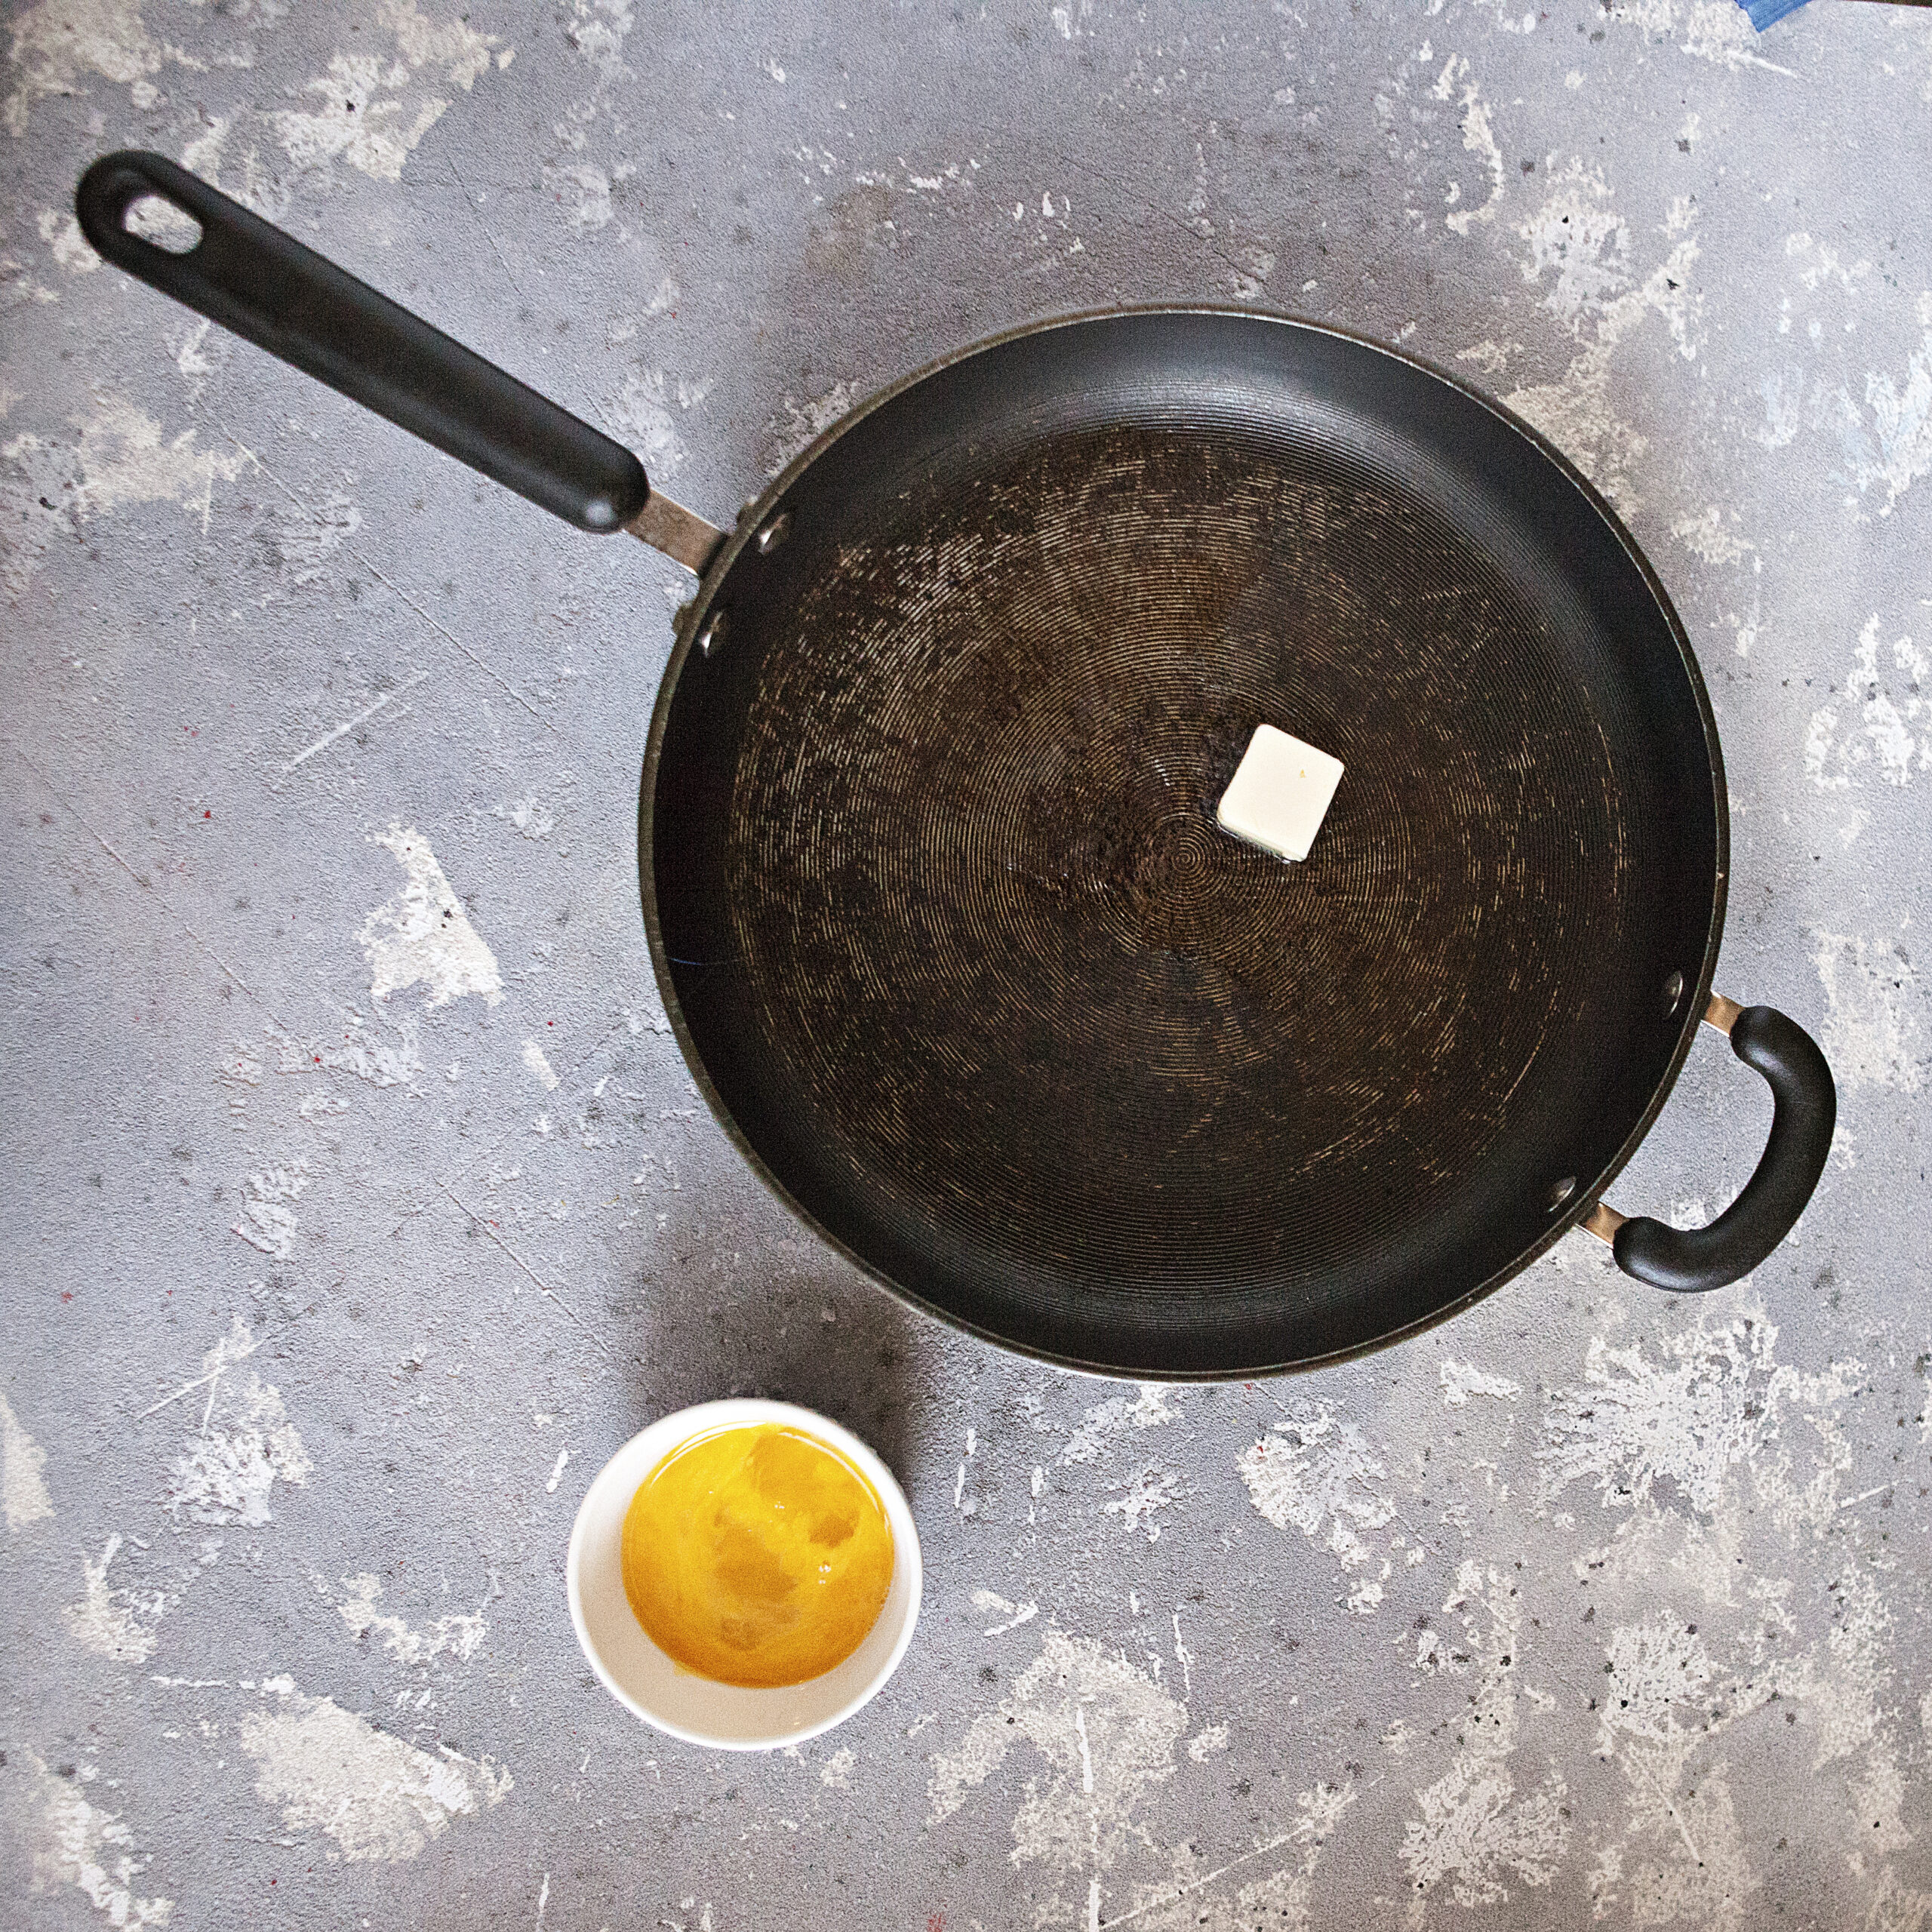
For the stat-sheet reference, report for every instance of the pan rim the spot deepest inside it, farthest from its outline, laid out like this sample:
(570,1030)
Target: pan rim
(754,516)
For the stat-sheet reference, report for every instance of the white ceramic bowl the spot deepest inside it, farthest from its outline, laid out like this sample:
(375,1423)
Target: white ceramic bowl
(637,1673)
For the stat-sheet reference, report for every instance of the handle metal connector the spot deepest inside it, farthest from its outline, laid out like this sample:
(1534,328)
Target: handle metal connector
(1721,1013)
(1603,1220)
(682,534)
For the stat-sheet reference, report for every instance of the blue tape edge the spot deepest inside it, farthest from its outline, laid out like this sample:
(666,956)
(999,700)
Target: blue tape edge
(1768,13)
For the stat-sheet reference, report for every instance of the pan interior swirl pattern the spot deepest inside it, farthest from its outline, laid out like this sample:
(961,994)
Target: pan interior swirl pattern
(1019,980)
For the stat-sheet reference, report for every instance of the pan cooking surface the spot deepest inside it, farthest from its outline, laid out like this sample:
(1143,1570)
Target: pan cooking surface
(982,982)
(990,919)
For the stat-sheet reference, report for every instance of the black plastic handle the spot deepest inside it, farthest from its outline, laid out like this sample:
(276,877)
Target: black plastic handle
(1805,1109)
(247,275)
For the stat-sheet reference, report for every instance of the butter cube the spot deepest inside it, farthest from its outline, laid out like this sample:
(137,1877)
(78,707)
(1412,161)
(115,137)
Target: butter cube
(1280,793)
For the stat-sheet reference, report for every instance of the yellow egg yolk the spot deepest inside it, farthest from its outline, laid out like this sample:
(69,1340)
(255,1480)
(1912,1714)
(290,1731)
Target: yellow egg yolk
(757,1556)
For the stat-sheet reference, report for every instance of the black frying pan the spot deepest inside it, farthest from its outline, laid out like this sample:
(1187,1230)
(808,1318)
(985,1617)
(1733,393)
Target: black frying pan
(935,893)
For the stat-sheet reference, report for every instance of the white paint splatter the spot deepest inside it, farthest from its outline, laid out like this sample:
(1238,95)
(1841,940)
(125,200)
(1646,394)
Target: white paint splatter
(1886,704)
(121,459)
(378,1797)
(1365,1597)
(990,1603)
(59,41)
(1694,1868)
(62,233)
(805,423)
(1315,1472)
(1897,1907)
(1687,1422)
(365,1049)
(837,1773)
(1705,535)
(375,108)
(1895,449)
(1826,266)
(1278,1900)
(557,1472)
(537,1064)
(1148,1490)
(31,515)
(116,1624)
(1072,21)
(87,1847)
(459,1637)
(1873,1035)
(185,341)
(641,407)
(1478,137)
(586,191)
(1581,243)
(597,30)
(241,1069)
(245,1444)
(1706,1407)
(1847,1691)
(1472,1829)
(1783,395)
(1670,1696)
(423,935)
(1583,246)
(526,815)
(23,1488)
(1150,1408)
(1491,357)
(1107,1732)
(1462,1379)
(1690,1861)
(1205,1744)
(1713,30)
(202,155)
(267,1222)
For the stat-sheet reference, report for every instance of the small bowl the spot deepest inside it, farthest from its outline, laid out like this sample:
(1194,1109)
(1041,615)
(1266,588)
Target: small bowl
(700,1710)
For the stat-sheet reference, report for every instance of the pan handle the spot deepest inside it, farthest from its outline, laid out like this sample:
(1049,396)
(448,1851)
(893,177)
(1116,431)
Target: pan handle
(1805,1109)
(247,275)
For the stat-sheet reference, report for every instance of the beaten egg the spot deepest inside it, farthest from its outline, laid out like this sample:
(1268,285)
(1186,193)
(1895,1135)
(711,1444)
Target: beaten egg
(757,1556)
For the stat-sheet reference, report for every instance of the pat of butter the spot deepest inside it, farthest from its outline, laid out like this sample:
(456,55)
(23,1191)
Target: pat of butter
(1280,793)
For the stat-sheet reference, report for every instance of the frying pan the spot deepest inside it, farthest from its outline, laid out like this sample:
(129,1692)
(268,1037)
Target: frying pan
(934,891)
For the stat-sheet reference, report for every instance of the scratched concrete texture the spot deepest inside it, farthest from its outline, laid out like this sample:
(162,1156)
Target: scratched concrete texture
(345,1240)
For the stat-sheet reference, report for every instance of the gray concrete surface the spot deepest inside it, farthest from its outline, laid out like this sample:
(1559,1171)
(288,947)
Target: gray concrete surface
(322,1308)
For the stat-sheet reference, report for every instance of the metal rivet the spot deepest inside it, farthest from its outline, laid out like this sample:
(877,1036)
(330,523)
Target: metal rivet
(774,534)
(1560,1191)
(712,634)
(1673,992)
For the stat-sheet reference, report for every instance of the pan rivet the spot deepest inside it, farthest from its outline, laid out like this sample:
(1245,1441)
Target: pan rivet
(712,634)
(1673,992)
(774,533)
(1560,1191)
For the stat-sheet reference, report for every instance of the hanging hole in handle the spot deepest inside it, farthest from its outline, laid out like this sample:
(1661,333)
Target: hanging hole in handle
(157,220)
